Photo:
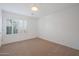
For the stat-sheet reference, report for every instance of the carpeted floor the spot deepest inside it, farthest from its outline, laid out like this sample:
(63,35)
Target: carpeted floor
(37,47)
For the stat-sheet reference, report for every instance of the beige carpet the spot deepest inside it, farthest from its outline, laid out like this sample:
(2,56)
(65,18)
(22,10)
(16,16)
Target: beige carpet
(37,47)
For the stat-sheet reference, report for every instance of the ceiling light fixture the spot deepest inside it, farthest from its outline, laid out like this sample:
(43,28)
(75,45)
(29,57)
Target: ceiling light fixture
(34,8)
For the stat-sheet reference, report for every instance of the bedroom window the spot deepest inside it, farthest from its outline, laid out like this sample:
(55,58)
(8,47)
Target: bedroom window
(11,27)
(15,26)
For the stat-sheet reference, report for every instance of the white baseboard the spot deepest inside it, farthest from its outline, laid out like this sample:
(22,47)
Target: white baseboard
(18,40)
(45,38)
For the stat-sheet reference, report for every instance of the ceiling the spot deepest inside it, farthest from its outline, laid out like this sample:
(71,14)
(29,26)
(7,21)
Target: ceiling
(43,8)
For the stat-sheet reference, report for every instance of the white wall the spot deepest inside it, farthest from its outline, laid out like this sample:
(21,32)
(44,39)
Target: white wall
(0,27)
(61,27)
(31,31)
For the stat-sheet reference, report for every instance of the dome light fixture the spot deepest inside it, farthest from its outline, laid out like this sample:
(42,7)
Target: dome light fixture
(34,8)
